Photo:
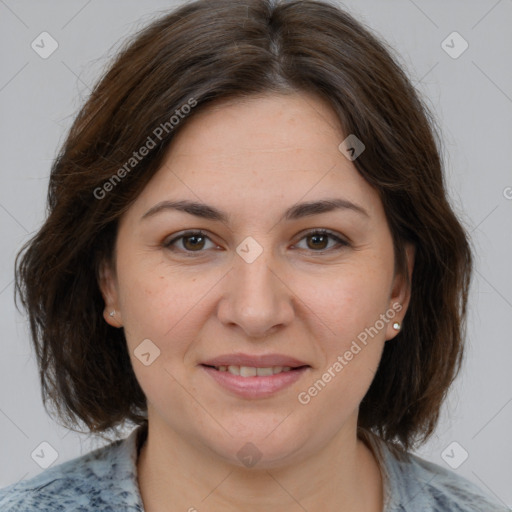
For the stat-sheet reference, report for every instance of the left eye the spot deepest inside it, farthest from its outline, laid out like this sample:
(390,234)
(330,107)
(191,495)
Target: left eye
(320,237)
(194,241)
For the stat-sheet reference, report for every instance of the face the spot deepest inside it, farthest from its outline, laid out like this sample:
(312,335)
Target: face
(312,287)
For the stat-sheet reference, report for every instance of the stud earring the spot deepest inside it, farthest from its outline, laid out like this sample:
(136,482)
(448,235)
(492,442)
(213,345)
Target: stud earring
(397,326)
(112,313)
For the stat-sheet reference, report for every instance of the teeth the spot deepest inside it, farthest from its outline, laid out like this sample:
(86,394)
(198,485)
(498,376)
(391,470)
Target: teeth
(264,372)
(250,371)
(247,371)
(235,370)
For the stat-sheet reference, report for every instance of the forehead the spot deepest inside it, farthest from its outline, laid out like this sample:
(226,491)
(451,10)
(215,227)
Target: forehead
(258,153)
(276,123)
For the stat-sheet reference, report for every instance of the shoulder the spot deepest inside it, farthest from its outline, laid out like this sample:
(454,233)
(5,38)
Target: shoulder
(417,484)
(103,479)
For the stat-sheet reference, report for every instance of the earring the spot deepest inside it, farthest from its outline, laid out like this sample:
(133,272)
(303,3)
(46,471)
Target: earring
(397,326)
(112,313)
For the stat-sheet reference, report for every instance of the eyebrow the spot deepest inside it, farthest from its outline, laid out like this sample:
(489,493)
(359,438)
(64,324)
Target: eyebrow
(295,212)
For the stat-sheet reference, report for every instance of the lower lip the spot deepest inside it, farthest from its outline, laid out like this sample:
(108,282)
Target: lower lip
(255,387)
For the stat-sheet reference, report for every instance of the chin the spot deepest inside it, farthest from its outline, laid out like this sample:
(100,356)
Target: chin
(263,446)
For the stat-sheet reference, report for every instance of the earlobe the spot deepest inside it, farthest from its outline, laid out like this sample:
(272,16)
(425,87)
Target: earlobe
(113,317)
(108,288)
(401,294)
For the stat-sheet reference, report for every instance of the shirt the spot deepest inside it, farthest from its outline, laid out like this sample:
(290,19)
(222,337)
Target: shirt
(106,480)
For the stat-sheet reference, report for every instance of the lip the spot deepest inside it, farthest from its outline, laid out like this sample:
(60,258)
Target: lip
(256,361)
(255,387)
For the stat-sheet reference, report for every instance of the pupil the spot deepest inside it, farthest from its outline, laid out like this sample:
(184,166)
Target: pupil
(316,237)
(193,237)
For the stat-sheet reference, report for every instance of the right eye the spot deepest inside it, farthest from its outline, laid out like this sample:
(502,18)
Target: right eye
(191,241)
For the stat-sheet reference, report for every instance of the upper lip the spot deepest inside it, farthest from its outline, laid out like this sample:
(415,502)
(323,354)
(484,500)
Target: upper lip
(256,361)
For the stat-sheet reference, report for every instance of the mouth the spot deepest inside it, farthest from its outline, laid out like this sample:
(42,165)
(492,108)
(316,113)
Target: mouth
(262,361)
(254,371)
(252,377)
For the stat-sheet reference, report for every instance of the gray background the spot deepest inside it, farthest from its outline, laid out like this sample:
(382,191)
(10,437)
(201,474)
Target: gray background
(472,99)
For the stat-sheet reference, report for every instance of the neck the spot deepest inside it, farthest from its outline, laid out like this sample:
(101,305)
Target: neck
(343,476)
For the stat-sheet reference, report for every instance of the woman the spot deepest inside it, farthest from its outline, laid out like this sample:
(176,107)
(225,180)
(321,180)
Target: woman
(250,255)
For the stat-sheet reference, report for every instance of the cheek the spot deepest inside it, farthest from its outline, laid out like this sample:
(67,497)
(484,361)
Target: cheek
(147,295)
(350,301)
(164,304)
(352,332)
(351,337)
(164,309)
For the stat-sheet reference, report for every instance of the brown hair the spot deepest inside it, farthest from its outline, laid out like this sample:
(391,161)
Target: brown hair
(213,50)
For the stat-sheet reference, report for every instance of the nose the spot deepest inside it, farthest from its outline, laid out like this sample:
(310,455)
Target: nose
(257,299)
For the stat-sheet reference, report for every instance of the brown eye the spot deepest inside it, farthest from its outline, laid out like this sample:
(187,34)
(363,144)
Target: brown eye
(192,241)
(318,241)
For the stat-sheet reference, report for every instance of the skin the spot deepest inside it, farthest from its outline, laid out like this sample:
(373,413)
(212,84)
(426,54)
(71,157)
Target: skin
(302,297)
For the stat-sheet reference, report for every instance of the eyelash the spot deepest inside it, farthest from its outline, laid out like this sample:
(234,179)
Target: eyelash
(324,232)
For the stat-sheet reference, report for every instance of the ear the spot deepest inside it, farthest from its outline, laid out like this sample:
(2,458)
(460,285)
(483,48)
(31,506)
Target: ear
(401,293)
(109,291)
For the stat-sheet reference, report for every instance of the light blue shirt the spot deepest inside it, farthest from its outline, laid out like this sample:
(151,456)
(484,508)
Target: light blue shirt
(105,480)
